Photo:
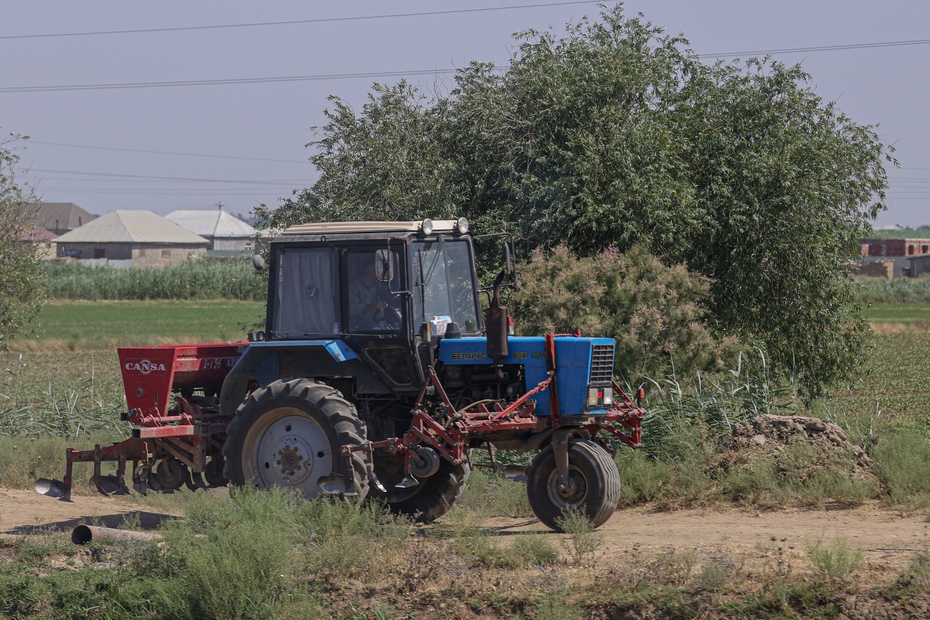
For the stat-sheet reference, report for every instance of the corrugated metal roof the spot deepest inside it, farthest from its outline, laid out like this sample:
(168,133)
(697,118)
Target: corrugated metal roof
(123,226)
(212,223)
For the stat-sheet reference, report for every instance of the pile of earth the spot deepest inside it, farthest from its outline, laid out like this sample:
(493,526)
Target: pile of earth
(804,445)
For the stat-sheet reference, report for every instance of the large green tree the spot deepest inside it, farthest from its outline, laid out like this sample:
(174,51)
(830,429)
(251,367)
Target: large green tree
(616,134)
(21,287)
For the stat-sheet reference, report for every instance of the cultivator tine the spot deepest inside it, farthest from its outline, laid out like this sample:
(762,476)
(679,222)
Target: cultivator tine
(374,480)
(105,485)
(408,482)
(195,481)
(335,485)
(140,479)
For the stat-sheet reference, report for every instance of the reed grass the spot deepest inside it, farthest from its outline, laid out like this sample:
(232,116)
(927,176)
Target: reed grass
(201,279)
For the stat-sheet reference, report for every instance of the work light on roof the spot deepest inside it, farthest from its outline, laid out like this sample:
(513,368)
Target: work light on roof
(462,225)
(426,227)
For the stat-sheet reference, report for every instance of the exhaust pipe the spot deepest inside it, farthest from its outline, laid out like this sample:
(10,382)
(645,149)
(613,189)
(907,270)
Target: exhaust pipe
(84,534)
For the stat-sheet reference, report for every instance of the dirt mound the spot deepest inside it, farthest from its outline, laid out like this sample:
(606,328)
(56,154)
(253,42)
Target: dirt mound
(802,443)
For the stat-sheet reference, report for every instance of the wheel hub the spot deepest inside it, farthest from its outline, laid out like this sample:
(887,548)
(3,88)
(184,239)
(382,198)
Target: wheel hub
(293,451)
(569,493)
(293,460)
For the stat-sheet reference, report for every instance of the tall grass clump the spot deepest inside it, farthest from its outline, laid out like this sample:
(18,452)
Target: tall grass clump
(898,290)
(686,427)
(689,457)
(241,558)
(199,279)
(903,462)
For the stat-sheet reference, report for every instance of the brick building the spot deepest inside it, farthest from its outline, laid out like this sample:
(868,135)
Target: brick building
(899,251)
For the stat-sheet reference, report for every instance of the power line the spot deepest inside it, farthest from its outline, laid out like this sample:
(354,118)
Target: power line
(323,20)
(112,148)
(820,48)
(253,80)
(159,178)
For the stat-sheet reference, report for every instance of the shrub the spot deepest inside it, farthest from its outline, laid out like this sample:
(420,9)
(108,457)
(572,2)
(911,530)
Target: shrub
(835,562)
(583,540)
(653,311)
(902,461)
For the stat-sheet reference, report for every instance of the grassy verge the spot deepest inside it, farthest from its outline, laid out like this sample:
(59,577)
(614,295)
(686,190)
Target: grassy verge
(270,555)
(102,326)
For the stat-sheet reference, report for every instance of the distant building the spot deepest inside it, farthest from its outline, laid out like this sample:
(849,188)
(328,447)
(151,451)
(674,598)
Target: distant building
(132,239)
(224,231)
(43,239)
(61,217)
(897,250)
(920,265)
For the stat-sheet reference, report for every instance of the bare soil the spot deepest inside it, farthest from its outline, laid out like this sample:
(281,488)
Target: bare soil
(887,536)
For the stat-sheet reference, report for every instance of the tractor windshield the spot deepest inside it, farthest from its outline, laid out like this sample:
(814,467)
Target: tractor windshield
(444,287)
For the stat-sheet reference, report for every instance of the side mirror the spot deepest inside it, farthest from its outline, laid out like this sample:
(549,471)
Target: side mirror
(384,266)
(508,259)
(258,262)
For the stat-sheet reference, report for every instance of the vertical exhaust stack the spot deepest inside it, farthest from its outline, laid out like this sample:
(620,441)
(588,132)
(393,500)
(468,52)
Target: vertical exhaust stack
(497,324)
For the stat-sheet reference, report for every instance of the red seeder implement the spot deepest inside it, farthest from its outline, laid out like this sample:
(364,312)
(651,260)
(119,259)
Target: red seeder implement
(169,447)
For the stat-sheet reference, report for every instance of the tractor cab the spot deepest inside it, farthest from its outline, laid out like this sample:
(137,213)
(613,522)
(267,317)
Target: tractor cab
(388,291)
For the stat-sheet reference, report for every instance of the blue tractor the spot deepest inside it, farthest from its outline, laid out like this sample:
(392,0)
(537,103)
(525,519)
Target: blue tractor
(378,374)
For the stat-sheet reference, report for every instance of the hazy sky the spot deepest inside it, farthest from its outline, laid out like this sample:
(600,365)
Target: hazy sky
(244,144)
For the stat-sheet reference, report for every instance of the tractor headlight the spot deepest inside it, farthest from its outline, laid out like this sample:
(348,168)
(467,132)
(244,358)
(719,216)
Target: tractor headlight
(600,397)
(426,226)
(462,225)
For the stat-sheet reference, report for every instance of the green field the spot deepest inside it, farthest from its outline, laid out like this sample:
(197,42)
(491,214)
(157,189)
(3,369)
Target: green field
(900,313)
(104,325)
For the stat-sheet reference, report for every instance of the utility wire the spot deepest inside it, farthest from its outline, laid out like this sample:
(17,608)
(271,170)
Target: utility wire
(158,178)
(381,74)
(253,80)
(112,148)
(820,48)
(323,20)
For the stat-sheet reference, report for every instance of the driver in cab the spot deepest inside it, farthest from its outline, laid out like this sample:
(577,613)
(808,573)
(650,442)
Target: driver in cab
(368,299)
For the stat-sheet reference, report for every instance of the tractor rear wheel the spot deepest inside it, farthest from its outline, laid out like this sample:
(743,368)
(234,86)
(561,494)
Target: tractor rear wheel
(430,499)
(593,484)
(289,434)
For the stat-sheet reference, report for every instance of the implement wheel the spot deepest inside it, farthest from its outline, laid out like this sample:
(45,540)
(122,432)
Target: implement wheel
(593,484)
(289,435)
(430,499)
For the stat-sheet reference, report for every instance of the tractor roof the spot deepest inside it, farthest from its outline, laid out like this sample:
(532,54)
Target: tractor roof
(367,227)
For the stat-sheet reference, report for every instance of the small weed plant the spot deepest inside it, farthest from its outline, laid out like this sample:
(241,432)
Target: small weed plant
(834,562)
(582,540)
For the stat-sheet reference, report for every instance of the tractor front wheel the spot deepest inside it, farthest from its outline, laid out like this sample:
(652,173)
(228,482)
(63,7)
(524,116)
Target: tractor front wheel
(289,435)
(593,484)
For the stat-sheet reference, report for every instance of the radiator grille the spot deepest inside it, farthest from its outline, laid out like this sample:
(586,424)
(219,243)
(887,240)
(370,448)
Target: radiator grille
(602,363)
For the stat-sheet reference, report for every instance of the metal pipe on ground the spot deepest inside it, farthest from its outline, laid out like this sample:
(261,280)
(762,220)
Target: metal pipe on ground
(84,534)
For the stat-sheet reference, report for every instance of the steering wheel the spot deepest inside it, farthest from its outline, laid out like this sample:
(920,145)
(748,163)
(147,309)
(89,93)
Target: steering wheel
(390,315)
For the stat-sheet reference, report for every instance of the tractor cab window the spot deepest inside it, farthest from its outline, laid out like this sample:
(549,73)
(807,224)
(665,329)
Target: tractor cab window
(444,289)
(307,292)
(374,304)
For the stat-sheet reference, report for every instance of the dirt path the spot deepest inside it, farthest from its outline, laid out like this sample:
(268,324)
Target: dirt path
(23,512)
(884,534)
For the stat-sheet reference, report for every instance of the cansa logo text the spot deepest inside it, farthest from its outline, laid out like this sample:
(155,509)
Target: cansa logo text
(145,366)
